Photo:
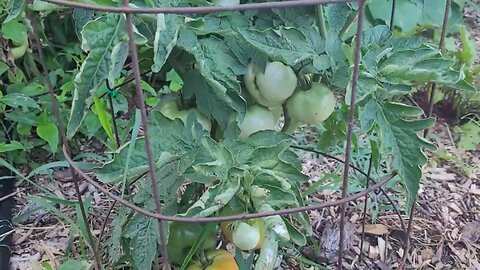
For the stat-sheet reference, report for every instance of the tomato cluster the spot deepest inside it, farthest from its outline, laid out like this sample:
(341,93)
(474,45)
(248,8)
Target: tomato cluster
(277,85)
(274,92)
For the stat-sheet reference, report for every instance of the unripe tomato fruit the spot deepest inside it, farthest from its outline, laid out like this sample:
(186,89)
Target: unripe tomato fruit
(181,238)
(256,118)
(312,106)
(272,87)
(245,235)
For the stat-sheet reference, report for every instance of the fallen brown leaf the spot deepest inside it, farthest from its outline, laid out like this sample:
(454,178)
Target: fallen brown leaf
(375,229)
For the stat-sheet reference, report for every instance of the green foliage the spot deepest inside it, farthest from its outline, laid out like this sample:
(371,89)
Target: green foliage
(99,38)
(397,125)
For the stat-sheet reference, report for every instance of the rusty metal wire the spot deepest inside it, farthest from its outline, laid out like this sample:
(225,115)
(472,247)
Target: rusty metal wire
(197,10)
(144,212)
(148,146)
(351,118)
(129,11)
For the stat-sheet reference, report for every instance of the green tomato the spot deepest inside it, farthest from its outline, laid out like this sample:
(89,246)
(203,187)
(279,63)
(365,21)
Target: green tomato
(245,237)
(181,238)
(272,87)
(253,230)
(256,118)
(312,106)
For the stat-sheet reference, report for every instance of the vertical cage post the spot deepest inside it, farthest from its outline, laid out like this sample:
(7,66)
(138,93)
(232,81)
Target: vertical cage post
(148,146)
(351,118)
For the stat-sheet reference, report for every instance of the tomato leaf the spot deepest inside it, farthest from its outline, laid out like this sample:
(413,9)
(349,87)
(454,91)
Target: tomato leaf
(468,52)
(469,136)
(412,14)
(12,146)
(99,38)
(297,237)
(81,17)
(214,82)
(168,26)
(15,8)
(19,100)
(377,35)
(215,198)
(268,253)
(15,31)
(118,57)
(289,45)
(397,125)
(114,241)
(142,231)
(171,138)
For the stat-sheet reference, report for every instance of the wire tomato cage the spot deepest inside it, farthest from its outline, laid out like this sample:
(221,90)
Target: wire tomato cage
(342,203)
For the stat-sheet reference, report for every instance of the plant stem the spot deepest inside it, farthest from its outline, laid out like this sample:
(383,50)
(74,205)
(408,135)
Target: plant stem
(290,124)
(320,20)
(348,23)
